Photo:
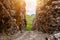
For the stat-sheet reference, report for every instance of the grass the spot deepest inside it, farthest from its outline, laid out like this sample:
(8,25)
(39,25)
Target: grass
(29,20)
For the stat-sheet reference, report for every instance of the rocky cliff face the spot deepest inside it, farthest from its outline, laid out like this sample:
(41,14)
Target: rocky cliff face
(12,16)
(47,17)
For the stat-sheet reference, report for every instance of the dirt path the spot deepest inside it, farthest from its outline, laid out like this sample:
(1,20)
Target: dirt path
(30,36)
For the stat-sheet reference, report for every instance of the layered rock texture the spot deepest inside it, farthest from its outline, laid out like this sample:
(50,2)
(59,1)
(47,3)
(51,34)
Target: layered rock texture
(47,17)
(12,16)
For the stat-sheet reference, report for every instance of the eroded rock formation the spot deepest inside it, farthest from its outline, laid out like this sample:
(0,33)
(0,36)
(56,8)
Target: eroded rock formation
(47,17)
(12,16)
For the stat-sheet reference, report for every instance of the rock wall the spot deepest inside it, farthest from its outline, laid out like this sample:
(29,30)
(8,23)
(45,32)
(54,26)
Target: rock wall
(12,16)
(47,17)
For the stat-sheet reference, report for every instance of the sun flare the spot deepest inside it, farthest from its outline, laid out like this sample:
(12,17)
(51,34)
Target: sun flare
(30,6)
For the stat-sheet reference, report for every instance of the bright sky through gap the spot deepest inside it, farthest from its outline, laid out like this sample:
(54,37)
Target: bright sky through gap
(30,7)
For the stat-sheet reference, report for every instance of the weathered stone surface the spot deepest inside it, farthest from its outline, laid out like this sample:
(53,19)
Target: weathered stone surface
(12,16)
(47,17)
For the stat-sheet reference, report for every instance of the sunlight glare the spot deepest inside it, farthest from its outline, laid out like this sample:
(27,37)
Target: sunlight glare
(30,7)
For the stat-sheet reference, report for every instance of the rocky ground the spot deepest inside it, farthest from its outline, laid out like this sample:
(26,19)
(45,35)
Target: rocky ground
(31,35)
(25,36)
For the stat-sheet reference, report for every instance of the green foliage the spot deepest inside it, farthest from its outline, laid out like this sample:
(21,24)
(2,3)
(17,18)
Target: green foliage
(29,20)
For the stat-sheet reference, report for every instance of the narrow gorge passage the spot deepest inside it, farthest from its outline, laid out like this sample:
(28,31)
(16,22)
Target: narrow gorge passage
(30,20)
